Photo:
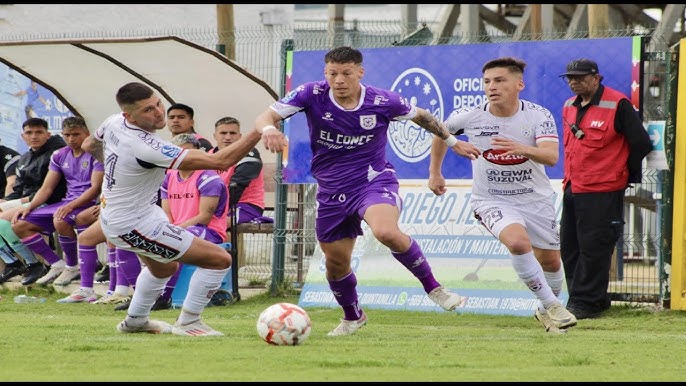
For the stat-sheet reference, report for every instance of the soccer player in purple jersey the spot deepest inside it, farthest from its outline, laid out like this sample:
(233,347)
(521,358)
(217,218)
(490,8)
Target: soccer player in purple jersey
(83,175)
(348,122)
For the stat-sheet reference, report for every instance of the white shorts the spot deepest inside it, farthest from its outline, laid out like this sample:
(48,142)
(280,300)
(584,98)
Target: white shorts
(538,218)
(11,204)
(155,238)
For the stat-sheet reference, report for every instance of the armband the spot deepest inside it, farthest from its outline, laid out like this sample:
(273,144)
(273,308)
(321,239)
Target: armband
(268,127)
(451,140)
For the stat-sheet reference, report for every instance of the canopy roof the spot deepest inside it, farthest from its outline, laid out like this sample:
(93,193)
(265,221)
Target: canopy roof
(86,74)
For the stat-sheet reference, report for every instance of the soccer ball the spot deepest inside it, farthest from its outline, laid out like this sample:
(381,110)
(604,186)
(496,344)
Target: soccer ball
(284,324)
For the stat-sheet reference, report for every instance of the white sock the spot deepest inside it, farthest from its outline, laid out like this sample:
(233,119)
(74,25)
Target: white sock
(122,290)
(148,288)
(200,285)
(554,280)
(530,272)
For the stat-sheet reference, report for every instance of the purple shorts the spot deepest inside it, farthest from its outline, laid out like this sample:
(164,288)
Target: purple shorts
(43,216)
(340,215)
(206,233)
(246,213)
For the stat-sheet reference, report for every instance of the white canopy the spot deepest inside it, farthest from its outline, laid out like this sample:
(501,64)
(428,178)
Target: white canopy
(85,76)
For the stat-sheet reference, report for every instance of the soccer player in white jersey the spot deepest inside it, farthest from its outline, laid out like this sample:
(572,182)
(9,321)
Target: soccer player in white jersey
(512,196)
(355,182)
(136,160)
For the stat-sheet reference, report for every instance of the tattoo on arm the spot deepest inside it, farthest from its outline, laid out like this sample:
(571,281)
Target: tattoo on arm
(431,124)
(96,150)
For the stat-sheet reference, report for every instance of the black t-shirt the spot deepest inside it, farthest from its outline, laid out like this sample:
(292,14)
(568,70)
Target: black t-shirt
(8,166)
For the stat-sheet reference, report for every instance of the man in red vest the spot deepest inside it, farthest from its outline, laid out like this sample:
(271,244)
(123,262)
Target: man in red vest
(604,145)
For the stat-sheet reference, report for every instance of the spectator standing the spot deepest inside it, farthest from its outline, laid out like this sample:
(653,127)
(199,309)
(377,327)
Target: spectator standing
(604,146)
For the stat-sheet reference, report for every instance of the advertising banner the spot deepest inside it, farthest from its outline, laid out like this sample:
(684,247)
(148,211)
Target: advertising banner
(445,78)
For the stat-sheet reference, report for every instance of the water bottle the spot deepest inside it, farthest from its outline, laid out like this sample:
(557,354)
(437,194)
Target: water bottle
(28,299)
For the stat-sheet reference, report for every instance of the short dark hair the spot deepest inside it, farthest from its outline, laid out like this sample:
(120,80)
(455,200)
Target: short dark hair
(33,122)
(131,93)
(74,123)
(343,54)
(181,106)
(227,121)
(515,65)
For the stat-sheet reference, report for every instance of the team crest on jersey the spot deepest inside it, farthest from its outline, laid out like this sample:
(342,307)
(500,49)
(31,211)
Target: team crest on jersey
(171,151)
(85,164)
(368,122)
(417,87)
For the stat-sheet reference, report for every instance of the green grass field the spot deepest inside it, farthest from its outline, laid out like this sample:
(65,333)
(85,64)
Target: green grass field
(78,342)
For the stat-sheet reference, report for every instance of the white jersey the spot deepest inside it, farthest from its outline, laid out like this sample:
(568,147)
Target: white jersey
(135,166)
(512,179)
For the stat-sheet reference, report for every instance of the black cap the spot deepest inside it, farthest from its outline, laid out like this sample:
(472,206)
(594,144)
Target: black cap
(581,67)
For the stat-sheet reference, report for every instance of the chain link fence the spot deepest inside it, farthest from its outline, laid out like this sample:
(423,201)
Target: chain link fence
(638,273)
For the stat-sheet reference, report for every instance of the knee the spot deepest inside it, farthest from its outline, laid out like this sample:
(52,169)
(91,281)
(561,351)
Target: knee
(388,236)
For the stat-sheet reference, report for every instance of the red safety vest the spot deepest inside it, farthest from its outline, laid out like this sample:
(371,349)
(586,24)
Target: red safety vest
(598,162)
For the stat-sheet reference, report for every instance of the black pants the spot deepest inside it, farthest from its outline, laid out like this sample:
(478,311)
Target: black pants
(590,227)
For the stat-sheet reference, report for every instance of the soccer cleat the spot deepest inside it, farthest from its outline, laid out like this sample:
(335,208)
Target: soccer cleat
(444,298)
(13,269)
(103,276)
(543,318)
(150,326)
(80,296)
(348,327)
(560,317)
(49,277)
(33,272)
(123,306)
(113,299)
(67,276)
(161,304)
(197,328)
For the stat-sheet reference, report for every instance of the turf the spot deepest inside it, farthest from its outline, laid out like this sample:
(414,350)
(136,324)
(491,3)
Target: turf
(78,342)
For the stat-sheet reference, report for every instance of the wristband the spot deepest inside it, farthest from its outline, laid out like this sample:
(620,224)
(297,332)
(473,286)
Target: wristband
(268,127)
(451,140)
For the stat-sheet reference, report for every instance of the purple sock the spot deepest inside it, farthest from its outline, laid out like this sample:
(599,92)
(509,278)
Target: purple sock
(128,267)
(413,259)
(167,293)
(346,295)
(89,260)
(38,246)
(68,245)
(112,263)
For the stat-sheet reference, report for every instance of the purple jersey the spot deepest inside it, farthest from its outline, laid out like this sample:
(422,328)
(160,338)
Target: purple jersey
(348,146)
(75,170)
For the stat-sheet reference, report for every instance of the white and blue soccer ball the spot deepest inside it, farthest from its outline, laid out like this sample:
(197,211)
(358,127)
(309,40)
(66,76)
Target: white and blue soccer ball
(284,324)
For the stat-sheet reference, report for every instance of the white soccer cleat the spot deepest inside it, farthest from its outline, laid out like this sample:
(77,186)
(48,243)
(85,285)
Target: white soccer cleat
(560,317)
(349,327)
(543,318)
(67,276)
(444,298)
(52,274)
(80,296)
(197,328)
(150,326)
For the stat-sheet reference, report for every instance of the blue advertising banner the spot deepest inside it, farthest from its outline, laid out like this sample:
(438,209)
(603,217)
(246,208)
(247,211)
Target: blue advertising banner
(464,258)
(444,78)
(21,98)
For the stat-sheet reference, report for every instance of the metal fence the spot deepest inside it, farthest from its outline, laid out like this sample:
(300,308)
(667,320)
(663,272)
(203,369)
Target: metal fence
(638,272)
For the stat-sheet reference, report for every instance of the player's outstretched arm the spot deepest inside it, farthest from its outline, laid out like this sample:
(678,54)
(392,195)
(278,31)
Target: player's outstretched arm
(426,120)
(272,138)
